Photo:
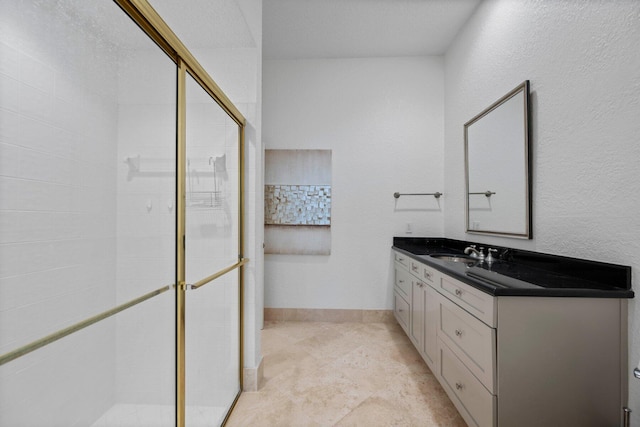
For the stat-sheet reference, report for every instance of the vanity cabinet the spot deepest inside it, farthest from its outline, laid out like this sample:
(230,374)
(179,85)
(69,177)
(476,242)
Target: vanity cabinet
(402,291)
(424,321)
(475,403)
(471,300)
(430,349)
(515,360)
(401,311)
(416,331)
(472,341)
(413,292)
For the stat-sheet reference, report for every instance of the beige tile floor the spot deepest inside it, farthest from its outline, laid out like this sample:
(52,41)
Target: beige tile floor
(343,374)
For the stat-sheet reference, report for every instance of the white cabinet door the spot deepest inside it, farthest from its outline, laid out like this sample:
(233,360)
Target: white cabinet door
(401,311)
(417,313)
(472,341)
(475,403)
(402,280)
(431,310)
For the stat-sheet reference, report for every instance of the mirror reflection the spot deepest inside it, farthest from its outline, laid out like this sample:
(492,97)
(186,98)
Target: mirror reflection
(497,167)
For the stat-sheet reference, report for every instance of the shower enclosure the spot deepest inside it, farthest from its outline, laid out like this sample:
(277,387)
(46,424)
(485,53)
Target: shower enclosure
(120,222)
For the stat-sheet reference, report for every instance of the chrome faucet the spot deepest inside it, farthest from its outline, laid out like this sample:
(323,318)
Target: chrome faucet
(475,253)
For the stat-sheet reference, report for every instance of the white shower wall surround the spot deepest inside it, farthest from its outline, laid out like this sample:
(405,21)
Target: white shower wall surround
(58,197)
(80,234)
(145,228)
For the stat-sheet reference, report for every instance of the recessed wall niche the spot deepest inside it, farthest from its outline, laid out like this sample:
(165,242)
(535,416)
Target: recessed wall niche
(298,202)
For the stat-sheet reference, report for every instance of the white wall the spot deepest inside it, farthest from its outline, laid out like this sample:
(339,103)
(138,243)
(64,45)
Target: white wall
(583,63)
(383,120)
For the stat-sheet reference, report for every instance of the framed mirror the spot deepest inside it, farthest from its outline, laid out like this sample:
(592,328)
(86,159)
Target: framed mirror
(497,166)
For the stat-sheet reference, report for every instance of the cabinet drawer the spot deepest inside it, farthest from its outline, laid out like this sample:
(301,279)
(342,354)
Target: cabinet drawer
(415,268)
(401,259)
(472,341)
(430,275)
(476,405)
(473,300)
(401,311)
(424,273)
(402,281)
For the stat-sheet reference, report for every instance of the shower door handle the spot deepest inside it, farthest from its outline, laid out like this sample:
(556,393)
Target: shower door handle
(214,276)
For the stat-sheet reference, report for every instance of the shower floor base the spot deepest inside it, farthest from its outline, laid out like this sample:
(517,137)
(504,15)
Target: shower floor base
(126,415)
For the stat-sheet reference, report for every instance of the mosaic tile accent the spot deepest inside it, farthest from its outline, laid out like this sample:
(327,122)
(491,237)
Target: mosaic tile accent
(297,204)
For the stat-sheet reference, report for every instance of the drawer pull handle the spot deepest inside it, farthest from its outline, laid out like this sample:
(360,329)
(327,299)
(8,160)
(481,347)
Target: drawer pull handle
(414,267)
(458,292)
(458,332)
(400,259)
(400,281)
(427,275)
(459,386)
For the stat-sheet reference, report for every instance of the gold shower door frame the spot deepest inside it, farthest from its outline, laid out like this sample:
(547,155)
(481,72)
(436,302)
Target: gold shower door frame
(151,23)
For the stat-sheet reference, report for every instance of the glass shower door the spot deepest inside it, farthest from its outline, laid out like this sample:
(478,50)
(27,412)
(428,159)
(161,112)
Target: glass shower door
(87,218)
(212,319)
(92,220)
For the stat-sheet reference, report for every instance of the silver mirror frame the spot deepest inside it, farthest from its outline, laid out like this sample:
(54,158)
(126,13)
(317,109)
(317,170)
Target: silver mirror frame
(528,233)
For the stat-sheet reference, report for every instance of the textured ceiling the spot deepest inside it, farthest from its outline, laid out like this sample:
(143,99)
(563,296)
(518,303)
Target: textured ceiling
(206,23)
(361,28)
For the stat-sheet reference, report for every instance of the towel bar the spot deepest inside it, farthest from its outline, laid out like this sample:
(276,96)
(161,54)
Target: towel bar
(437,194)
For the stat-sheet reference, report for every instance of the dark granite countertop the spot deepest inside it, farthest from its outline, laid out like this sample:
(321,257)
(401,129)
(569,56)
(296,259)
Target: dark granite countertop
(523,273)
